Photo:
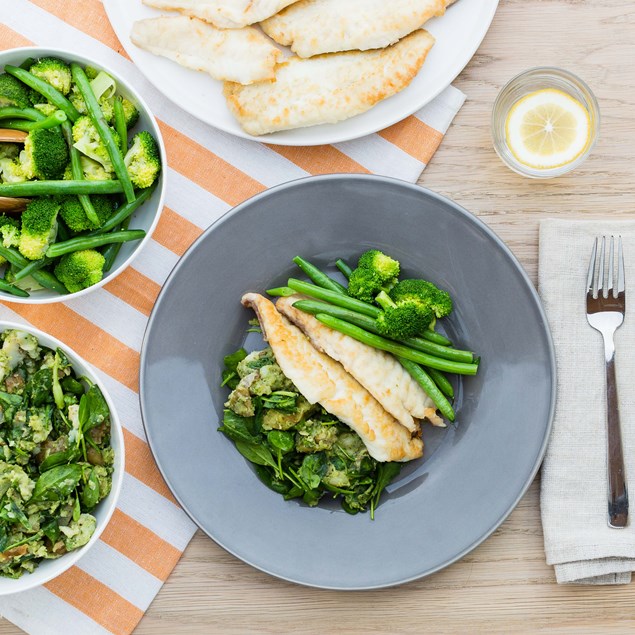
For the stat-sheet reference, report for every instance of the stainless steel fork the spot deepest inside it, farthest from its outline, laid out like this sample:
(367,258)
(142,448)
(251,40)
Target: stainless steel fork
(605,307)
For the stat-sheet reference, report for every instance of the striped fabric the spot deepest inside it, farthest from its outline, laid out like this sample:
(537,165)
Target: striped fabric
(209,172)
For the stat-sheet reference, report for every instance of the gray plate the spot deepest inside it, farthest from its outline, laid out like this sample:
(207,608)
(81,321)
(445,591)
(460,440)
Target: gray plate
(472,475)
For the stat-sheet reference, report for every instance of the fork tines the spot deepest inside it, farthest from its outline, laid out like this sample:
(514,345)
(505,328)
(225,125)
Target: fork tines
(600,278)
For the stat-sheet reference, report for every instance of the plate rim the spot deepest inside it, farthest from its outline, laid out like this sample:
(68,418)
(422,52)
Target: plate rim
(470,218)
(272,138)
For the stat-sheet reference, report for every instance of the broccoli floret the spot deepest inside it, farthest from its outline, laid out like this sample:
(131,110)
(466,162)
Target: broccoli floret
(9,150)
(80,269)
(54,72)
(45,155)
(94,171)
(403,318)
(130,112)
(9,231)
(375,272)
(39,227)
(87,140)
(45,109)
(12,171)
(143,160)
(437,300)
(14,93)
(364,285)
(384,267)
(74,216)
(103,87)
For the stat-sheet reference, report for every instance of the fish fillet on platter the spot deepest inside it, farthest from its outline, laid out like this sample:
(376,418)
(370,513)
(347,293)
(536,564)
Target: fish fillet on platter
(225,14)
(238,55)
(312,27)
(323,380)
(327,88)
(379,372)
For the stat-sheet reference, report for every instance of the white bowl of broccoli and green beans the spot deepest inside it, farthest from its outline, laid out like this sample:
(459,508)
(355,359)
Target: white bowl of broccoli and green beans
(301,451)
(87,176)
(61,458)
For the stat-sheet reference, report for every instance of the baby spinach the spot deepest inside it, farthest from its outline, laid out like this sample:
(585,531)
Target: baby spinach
(58,458)
(239,428)
(40,387)
(11,513)
(90,491)
(258,454)
(57,483)
(10,399)
(281,440)
(51,530)
(93,409)
(230,375)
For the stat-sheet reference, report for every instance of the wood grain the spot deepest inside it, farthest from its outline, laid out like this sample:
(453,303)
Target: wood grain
(504,586)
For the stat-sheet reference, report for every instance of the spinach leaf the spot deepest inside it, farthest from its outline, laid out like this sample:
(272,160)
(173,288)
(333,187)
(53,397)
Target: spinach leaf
(230,374)
(313,468)
(51,530)
(58,393)
(232,361)
(10,399)
(72,385)
(386,472)
(239,428)
(272,481)
(59,458)
(281,440)
(93,409)
(90,491)
(12,514)
(281,400)
(77,510)
(258,454)
(4,537)
(57,483)
(40,387)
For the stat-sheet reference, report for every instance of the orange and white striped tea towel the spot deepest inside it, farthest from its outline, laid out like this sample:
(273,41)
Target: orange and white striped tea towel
(111,587)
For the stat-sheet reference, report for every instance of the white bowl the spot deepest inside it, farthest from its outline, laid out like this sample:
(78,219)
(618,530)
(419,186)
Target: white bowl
(49,569)
(146,217)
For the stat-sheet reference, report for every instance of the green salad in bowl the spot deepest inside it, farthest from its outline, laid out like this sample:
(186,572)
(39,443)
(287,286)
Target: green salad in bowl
(59,463)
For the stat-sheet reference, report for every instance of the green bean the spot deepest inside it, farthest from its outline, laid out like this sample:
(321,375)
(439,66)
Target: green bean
(9,288)
(10,112)
(51,121)
(33,265)
(41,188)
(400,350)
(318,276)
(369,324)
(343,267)
(441,381)
(339,299)
(111,251)
(429,387)
(283,292)
(91,242)
(46,279)
(46,90)
(125,211)
(437,338)
(28,62)
(120,124)
(77,173)
(97,117)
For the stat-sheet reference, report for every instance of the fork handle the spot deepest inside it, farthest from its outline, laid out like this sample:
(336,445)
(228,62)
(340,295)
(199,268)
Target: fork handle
(618,494)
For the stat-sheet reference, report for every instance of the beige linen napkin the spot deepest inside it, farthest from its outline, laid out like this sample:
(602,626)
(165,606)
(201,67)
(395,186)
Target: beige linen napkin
(578,541)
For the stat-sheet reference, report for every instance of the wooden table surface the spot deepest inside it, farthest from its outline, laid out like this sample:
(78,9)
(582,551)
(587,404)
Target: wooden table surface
(504,586)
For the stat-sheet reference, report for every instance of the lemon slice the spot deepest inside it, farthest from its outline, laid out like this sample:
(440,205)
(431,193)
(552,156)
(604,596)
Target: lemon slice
(547,129)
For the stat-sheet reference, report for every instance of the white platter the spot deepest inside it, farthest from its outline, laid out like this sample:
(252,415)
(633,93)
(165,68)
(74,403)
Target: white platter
(458,33)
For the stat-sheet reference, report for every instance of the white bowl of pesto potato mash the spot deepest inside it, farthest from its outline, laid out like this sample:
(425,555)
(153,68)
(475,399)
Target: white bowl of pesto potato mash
(61,457)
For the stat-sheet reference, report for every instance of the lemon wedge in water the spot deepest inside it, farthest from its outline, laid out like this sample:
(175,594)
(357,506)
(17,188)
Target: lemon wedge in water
(547,129)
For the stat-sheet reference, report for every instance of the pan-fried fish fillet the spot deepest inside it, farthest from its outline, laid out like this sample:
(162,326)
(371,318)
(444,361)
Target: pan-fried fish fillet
(321,379)
(312,27)
(225,14)
(379,372)
(327,88)
(243,55)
